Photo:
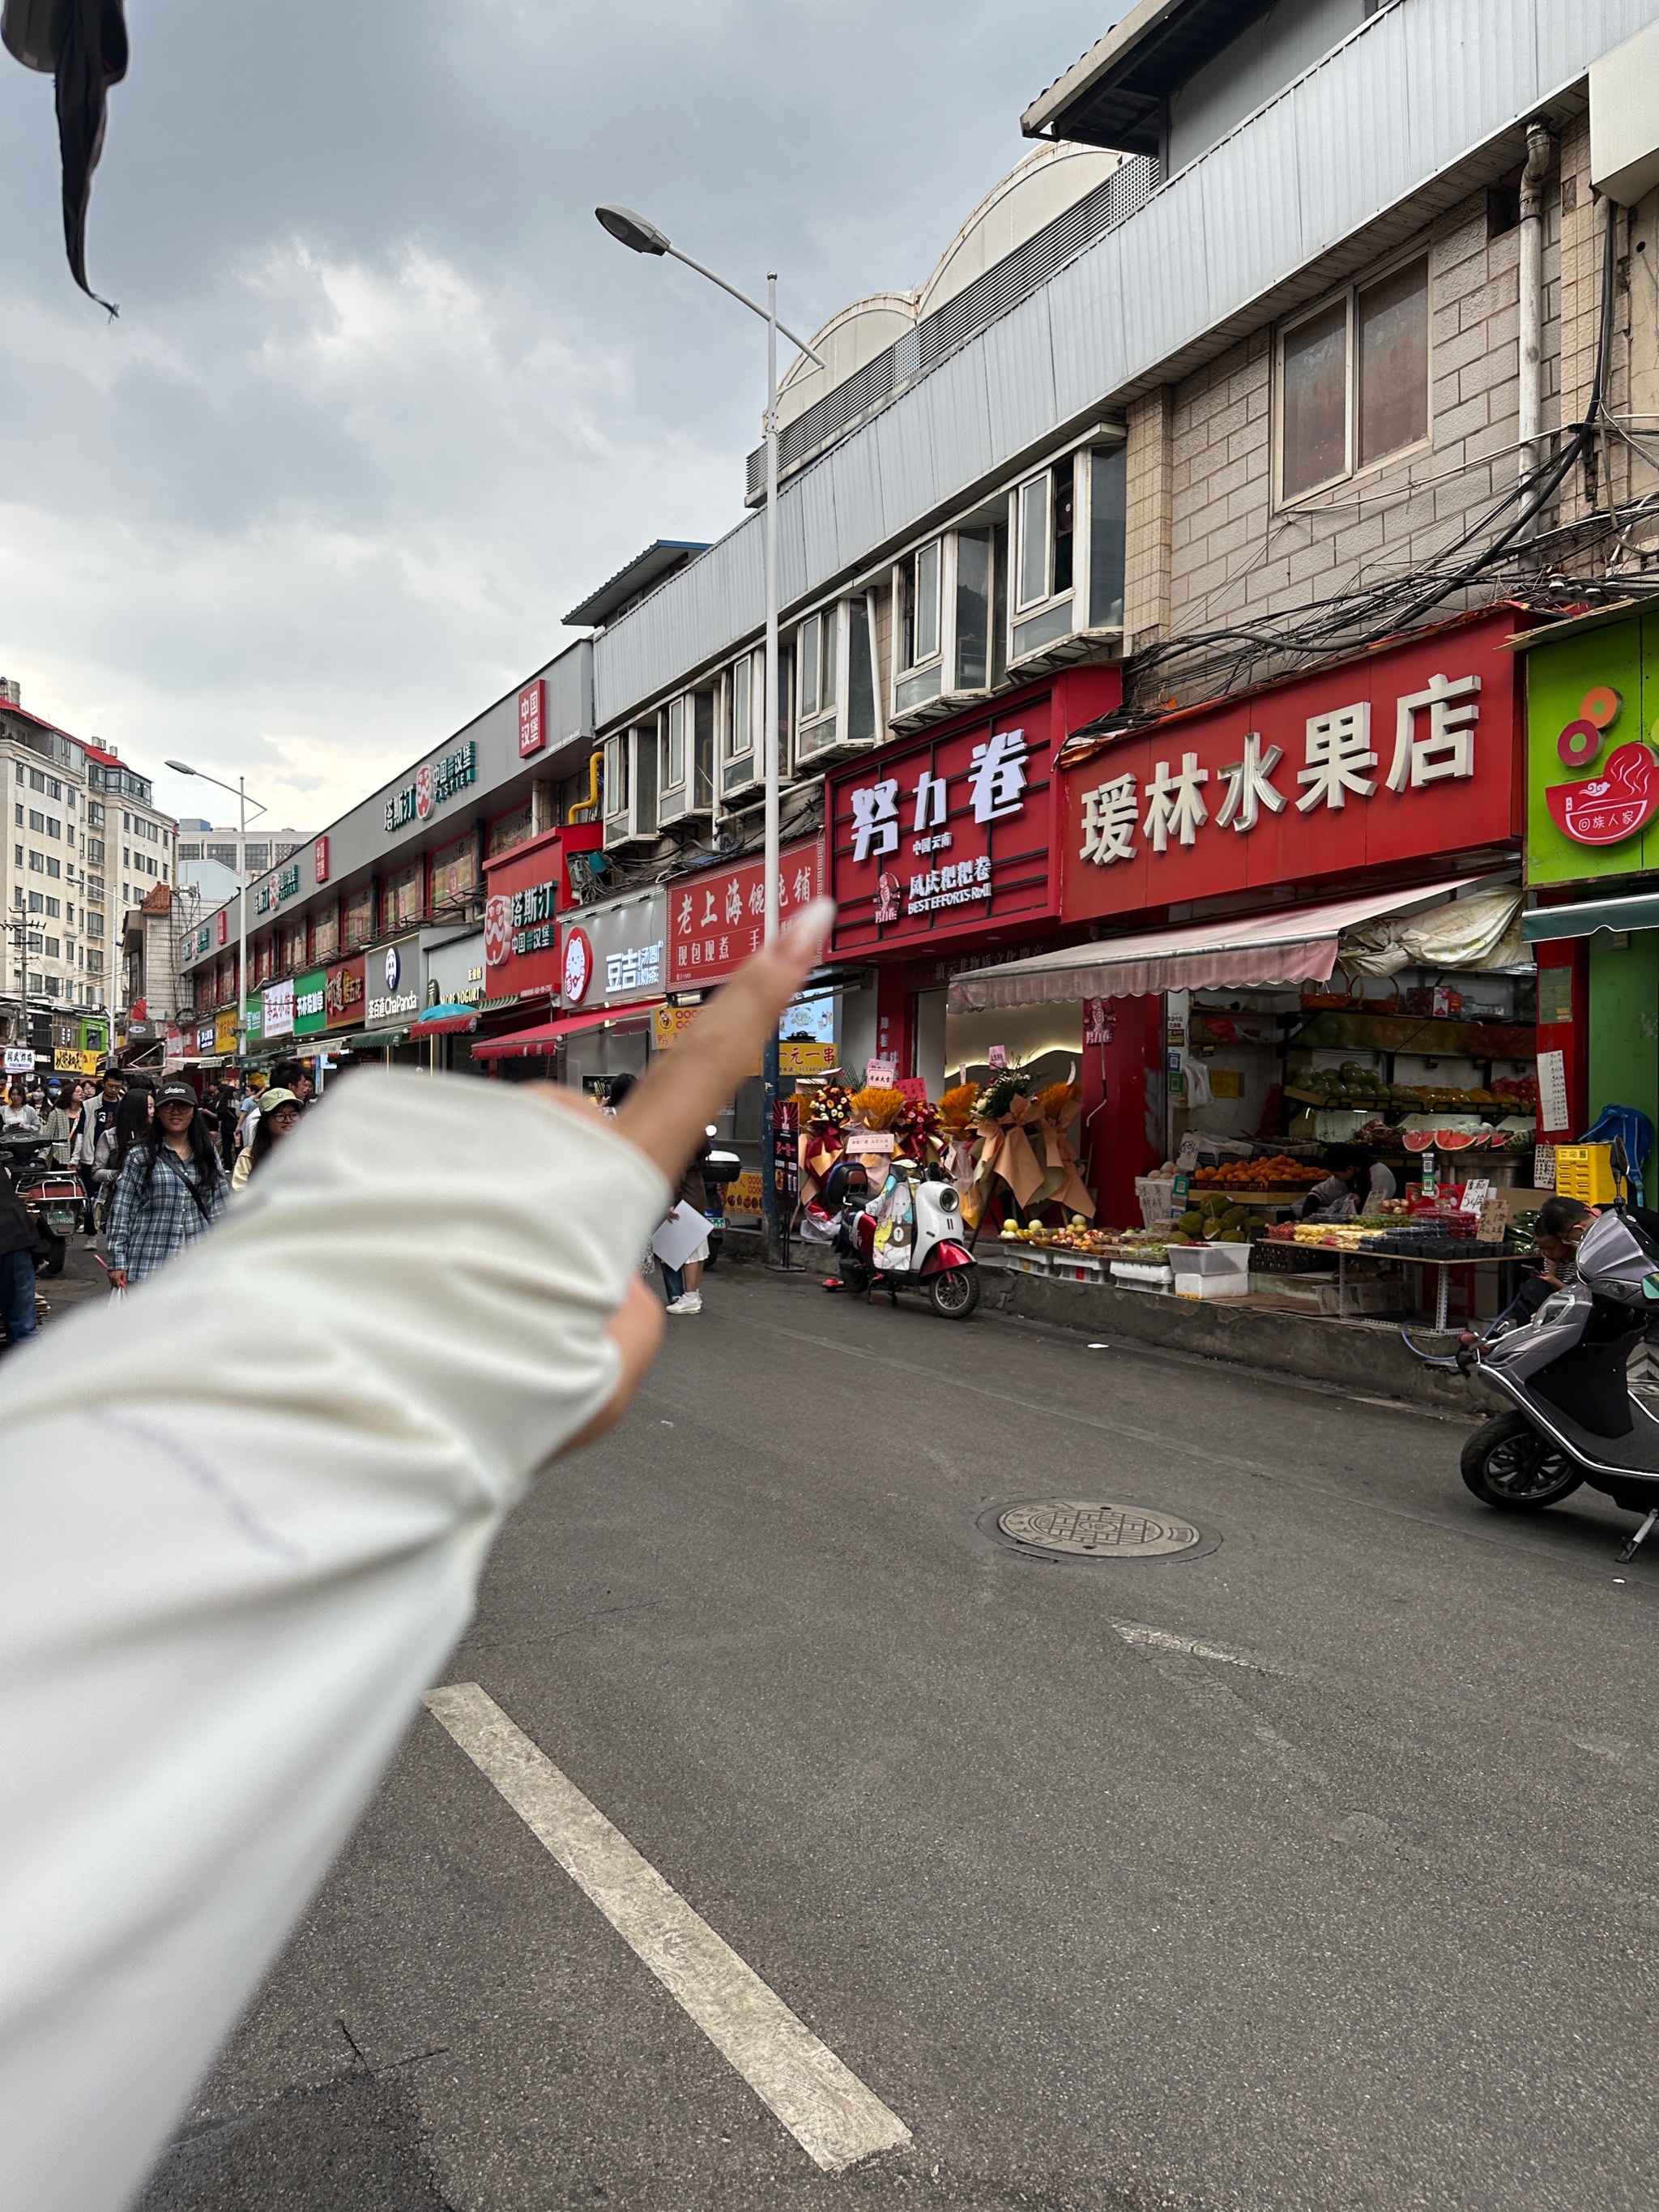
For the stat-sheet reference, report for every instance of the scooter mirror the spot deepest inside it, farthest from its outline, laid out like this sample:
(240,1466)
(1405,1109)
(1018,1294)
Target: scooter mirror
(1619,1161)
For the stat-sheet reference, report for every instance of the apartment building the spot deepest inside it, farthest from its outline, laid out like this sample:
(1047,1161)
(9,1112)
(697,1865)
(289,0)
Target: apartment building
(245,856)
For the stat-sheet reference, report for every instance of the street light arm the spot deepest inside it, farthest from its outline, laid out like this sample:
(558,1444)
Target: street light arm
(179,768)
(753,306)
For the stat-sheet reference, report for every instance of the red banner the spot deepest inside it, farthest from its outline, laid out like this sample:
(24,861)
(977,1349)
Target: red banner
(343,995)
(1407,754)
(952,832)
(521,940)
(715,920)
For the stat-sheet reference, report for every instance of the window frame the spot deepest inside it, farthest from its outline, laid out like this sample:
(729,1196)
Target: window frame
(1349,296)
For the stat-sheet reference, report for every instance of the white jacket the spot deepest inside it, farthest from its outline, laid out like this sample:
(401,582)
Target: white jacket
(242,1515)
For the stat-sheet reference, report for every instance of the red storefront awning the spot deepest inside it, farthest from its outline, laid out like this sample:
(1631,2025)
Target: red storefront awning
(537,1043)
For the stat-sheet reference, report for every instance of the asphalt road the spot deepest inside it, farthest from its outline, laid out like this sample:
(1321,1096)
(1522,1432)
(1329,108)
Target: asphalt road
(1357,1911)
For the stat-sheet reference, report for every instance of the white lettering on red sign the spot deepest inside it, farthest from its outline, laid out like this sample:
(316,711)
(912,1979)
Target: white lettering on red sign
(1434,743)
(996,789)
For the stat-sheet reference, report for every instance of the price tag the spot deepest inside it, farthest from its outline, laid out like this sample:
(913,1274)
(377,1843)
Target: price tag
(996,1055)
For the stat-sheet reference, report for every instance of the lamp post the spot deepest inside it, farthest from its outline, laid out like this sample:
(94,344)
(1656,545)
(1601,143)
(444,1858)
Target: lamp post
(240,789)
(642,237)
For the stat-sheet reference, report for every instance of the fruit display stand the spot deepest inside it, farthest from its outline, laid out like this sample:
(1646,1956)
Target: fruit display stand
(1436,1242)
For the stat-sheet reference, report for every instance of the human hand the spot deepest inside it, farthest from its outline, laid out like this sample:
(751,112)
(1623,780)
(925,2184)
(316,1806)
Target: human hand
(667,1113)
(118,1279)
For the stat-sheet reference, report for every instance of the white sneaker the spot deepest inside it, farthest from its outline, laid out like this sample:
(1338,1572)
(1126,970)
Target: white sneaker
(676,1306)
(691,1303)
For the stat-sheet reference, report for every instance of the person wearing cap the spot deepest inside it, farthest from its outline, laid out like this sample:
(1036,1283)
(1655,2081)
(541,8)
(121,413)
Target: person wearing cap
(171,1187)
(279,1109)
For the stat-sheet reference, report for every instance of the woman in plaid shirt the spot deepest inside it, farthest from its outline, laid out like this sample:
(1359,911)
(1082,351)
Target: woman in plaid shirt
(171,1188)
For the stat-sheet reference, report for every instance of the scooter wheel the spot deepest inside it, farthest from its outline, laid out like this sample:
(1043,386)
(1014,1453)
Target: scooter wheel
(955,1293)
(55,1250)
(1510,1467)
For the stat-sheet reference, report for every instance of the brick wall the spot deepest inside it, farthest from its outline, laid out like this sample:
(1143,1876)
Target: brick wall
(1235,557)
(1148,518)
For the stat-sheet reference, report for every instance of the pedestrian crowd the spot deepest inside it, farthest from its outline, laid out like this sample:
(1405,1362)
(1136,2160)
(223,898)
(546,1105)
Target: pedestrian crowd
(156,1165)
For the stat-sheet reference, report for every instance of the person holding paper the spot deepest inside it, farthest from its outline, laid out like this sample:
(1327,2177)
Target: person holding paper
(681,1282)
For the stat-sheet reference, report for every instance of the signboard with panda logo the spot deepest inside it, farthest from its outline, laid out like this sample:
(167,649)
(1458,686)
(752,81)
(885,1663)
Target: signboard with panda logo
(392,977)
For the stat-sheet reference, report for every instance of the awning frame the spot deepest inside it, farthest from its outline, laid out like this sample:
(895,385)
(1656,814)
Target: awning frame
(1547,925)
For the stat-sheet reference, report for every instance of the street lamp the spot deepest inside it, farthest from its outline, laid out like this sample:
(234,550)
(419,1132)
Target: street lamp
(634,232)
(240,788)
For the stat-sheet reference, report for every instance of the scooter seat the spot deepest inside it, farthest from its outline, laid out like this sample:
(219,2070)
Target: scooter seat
(1635,1453)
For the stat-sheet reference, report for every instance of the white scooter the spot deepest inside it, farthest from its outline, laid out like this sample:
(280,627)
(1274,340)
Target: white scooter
(908,1237)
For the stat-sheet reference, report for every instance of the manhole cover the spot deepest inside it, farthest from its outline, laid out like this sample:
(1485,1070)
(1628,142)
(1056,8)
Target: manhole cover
(1092,1530)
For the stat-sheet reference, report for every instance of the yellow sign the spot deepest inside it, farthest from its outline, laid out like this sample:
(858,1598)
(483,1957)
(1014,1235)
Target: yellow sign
(69,1060)
(224,1033)
(807,1059)
(743,1196)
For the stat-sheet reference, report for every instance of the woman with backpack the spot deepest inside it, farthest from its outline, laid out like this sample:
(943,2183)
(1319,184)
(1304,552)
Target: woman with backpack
(170,1188)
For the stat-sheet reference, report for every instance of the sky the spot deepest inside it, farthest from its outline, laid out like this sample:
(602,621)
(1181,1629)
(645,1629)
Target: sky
(383,402)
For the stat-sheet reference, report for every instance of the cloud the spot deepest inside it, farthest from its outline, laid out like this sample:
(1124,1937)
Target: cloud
(383,401)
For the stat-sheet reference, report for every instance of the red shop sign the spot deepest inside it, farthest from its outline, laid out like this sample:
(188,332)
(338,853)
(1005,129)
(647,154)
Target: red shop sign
(1405,754)
(951,832)
(532,717)
(342,995)
(521,931)
(319,860)
(716,920)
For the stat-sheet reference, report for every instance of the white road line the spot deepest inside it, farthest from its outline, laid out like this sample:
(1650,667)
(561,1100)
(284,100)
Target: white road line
(1160,1640)
(834,2118)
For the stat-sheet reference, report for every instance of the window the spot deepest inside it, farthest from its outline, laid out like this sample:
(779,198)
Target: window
(95,849)
(54,950)
(53,907)
(674,744)
(54,789)
(94,815)
(1353,380)
(35,940)
(54,986)
(37,821)
(54,827)
(740,711)
(919,623)
(37,862)
(69,800)
(258,859)
(37,781)
(225,855)
(36,904)
(1043,527)
(17,854)
(54,866)
(94,963)
(190,851)
(18,813)
(816,657)
(69,911)
(94,887)
(615,774)
(17,770)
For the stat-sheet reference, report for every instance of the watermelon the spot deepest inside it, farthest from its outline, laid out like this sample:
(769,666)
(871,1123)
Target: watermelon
(1454,1140)
(1418,1141)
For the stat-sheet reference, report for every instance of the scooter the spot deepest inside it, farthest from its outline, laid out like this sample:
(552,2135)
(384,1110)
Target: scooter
(720,1169)
(1566,1413)
(908,1237)
(52,1195)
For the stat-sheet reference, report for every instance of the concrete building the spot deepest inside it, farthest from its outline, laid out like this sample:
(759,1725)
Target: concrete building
(262,848)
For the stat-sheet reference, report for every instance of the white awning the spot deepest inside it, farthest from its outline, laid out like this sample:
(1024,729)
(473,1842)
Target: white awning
(1258,951)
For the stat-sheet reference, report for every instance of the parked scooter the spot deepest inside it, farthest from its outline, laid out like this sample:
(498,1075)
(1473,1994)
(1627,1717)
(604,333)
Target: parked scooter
(52,1195)
(908,1237)
(720,1169)
(1567,1415)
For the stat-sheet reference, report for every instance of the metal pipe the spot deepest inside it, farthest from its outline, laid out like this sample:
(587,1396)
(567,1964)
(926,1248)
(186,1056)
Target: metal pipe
(1540,154)
(875,665)
(771,1239)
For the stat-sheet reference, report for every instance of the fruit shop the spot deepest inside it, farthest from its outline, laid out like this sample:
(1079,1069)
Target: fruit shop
(1306,963)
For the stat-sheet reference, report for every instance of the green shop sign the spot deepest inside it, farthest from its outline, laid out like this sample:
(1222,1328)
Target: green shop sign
(1593,753)
(310,1011)
(253,1019)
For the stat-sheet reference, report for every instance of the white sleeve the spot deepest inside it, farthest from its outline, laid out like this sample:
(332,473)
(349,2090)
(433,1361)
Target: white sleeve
(242,1515)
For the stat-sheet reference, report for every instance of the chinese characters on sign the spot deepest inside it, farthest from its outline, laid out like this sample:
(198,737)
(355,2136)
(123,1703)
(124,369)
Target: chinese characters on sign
(532,717)
(319,860)
(288,881)
(995,793)
(1434,742)
(638,968)
(531,916)
(1400,754)
(716,920)
(433,784)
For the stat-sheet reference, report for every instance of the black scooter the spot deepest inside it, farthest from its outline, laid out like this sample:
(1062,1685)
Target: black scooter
(1566,1412)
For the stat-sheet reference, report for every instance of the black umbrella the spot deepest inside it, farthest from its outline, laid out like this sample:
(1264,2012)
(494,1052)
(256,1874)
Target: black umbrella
(83,45)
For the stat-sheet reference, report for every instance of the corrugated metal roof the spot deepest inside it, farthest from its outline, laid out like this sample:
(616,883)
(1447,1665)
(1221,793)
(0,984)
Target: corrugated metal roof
(660,559)
(1406,117)
(1114,95)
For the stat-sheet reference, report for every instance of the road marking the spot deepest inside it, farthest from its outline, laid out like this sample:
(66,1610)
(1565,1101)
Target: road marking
(1159,1639)
(836,2121)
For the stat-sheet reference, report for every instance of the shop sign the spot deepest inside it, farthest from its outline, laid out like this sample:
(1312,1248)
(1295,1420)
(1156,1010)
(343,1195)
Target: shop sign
(455,971)
(319,860)
(311,1003)
(576,971)
(68,1059)
(948,833)
(670,1024)
(252,1020)
(625,945)
(1593,753)
(224,1033)
(224,925)
(717,919)
(803,1058)
(288,881)
(434,784)
(278,1009)
(1400,755)
(343,995)
(521,931)
(20,1060)
(392,981)
(532,717)
(205,937)
(206,1038)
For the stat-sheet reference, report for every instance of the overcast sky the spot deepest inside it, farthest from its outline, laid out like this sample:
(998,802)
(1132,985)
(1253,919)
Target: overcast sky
(383,401)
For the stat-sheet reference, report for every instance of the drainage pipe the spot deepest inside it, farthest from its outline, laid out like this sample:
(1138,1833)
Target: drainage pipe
(1541,152)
